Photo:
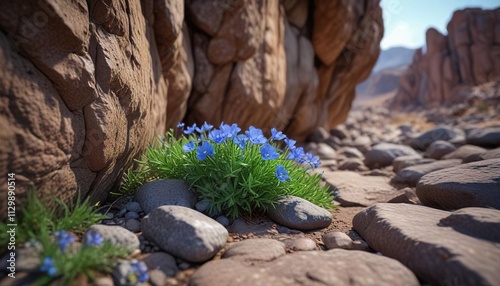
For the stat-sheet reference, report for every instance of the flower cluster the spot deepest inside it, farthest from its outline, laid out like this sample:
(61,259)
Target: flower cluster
(205,138)
(64,239)
(139,272)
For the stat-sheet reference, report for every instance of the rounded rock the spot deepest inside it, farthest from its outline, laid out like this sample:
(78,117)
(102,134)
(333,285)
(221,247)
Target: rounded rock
(337,239)
(133,207)
(223,220)
(165,192)
(133,225)
(298,213)
(117,235)
(184,232)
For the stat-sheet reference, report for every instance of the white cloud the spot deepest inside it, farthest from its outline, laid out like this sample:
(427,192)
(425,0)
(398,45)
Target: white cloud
(401,34)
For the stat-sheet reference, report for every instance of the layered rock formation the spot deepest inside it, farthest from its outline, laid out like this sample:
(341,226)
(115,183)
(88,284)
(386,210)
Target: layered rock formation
(85,85)
(468,56)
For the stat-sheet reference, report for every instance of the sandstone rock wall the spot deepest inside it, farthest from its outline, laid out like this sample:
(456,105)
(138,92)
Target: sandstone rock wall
(86,85)
(468,56)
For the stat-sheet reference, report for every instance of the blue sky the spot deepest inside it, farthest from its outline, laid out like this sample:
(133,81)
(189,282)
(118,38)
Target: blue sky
(405,21)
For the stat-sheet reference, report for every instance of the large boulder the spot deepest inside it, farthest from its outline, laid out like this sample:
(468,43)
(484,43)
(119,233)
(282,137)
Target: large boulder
(85,85)
(333,267)
(468,185)
(460,248)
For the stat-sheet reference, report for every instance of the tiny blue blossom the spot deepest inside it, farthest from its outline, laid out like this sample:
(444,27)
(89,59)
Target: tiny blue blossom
(64,239)
(290,143)
(255,135)
(312,160)
(204,127)
(180,125)
(218,136)
(140,270)
(93,238)
(188,147)
(281,173)
(268,152)
(240,140)
(297,154)
(206,149)
(190,129)
(48,266)
(277,135)
(231,131)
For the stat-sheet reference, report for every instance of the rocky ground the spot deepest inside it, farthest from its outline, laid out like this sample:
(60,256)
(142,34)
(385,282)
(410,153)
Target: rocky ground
(417,204)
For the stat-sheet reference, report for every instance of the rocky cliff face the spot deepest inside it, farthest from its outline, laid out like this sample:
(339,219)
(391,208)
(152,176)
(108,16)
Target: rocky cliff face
(85,85)
(468,56)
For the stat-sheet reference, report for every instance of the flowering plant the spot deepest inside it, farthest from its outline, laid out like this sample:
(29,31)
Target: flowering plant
(236,171)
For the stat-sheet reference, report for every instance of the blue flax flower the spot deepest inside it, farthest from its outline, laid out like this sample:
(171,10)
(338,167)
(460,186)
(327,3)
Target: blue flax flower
(190,129)
(93,238)
(218,136)
(268,152)
(188,147)
(48,266)
(255,135)
(230,130)
(297,154)
(204,127)
(290,143)
(240,140)
(140,270)
(277,135)
(180,125)
(312,160)
(206,149)
(64,239)
(281,173)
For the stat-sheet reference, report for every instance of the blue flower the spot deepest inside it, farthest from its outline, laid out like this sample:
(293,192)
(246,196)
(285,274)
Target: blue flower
(188,147)
(297,154)
(93,238)
(240,140)
(64,239)
(281,173)
(180,125)
(190,129)
(230,130)
(277,135)
(206,149)
(255,136)
(218,136)
(268,152)
(290,143)
(140,270)
(48,266)
(312,160)
(205,127)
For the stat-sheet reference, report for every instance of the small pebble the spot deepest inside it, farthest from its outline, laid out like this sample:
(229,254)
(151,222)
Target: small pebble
(133,207)
(108,222)
(223,220)
(110,215)
(121,212)
(202,205)
(133,225)
(132,214)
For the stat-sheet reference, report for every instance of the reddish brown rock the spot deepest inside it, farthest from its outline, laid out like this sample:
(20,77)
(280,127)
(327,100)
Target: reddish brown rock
(468,56)
(86,85)
(76,85)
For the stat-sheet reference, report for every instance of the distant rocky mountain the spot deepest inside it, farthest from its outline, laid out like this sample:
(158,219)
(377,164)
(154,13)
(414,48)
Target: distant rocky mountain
(453,64)
(393,58)
(390,66)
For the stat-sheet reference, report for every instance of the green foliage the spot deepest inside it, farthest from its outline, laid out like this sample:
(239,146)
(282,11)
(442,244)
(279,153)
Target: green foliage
(38,223)
(36,218)
(236,179)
